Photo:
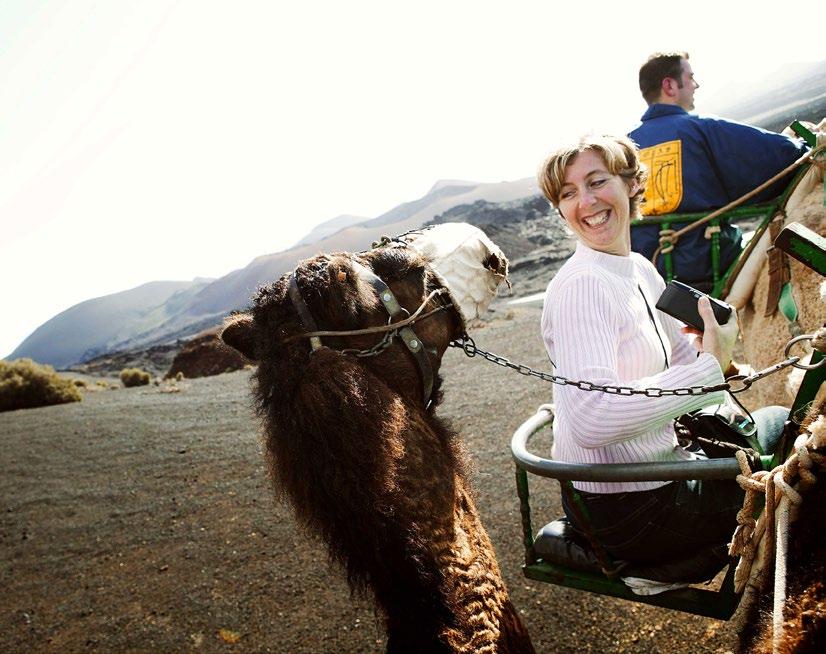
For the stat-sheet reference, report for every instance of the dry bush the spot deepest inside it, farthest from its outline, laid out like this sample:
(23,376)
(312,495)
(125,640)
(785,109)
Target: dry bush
(134,377)
(25,384)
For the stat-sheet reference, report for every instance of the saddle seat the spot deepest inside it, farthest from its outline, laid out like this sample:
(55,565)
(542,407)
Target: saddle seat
(560,543)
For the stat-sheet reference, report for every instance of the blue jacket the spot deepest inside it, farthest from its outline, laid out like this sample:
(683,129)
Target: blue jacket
(699,163)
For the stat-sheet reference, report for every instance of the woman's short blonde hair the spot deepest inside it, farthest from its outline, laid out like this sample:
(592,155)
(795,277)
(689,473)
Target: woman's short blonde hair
(621,157)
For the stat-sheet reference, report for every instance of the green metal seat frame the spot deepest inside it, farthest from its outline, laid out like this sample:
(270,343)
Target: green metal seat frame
(719,604)
(765,211)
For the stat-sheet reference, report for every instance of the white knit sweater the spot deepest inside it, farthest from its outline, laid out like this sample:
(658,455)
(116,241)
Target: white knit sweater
(596,327)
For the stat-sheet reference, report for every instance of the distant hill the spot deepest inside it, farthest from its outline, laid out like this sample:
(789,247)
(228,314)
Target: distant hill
(175,310)
(94,326)
(329,228)
(794,91)
(528,231)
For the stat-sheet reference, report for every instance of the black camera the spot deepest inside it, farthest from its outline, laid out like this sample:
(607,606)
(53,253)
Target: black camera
(680,300)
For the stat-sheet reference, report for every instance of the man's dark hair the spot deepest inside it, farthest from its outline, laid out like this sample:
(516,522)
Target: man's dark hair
(659,66)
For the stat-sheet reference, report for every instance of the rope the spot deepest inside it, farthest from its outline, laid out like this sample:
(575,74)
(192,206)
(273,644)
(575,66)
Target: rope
(819,340)
(669,237)
(769,536)
(710,231)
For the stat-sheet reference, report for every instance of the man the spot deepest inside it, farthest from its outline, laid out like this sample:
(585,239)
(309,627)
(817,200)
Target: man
(698,163)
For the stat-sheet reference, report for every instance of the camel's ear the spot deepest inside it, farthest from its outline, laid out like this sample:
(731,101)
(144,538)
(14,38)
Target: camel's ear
(238,333)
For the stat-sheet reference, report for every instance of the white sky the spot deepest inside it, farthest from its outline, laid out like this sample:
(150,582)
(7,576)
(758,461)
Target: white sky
(154,140)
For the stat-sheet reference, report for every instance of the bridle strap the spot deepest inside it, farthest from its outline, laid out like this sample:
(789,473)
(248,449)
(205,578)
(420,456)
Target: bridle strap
(411,341)
(416,316)
(303,311)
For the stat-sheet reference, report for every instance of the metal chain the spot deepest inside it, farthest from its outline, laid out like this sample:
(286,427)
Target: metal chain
(466,343)
(378,348)
(398,241)
(387,339)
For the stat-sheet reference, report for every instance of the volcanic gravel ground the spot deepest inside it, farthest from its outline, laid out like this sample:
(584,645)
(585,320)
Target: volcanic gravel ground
(143,521)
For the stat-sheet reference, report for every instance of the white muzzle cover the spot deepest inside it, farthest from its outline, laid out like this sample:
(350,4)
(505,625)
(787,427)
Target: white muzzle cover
(466,261)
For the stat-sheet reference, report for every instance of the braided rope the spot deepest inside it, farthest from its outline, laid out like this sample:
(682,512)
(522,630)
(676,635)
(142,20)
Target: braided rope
(819,340)
(764,542)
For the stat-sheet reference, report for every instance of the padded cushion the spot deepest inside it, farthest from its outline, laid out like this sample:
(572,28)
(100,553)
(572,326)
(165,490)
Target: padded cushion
(559,543)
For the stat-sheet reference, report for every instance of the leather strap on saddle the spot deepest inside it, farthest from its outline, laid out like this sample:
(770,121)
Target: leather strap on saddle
(779,269)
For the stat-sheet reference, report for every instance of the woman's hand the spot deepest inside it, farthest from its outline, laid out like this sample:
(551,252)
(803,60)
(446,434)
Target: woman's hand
(716,339)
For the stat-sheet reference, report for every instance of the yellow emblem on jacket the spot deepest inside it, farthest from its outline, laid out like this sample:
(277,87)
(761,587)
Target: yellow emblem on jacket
(665,177)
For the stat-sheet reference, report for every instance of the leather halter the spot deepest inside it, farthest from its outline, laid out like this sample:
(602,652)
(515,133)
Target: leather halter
(411,341)
(303,312)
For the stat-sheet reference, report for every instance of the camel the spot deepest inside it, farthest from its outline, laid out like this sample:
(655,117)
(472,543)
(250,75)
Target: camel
(764,337)
(355,445)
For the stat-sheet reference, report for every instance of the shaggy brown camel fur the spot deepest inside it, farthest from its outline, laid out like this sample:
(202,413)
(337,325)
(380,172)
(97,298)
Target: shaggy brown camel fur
(366,465)
(765,337)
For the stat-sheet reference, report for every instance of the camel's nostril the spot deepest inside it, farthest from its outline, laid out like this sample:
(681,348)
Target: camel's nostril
(492,263)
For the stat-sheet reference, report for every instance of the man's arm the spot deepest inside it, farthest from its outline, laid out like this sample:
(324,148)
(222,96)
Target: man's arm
(747,156)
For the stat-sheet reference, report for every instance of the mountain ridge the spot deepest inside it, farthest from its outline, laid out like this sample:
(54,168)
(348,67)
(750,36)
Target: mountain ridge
(798,92)
(205,304)
(87,328)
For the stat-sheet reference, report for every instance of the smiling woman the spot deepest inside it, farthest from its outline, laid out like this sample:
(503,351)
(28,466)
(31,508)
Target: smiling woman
(600,324)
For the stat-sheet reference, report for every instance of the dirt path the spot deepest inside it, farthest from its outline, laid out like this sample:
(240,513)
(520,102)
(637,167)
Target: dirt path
(143,521)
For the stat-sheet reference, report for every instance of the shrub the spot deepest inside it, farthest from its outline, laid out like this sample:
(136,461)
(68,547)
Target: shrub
(80,383)
(25,384)
(134,377)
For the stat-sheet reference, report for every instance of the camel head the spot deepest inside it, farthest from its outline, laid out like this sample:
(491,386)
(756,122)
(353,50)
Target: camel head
(447,274)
